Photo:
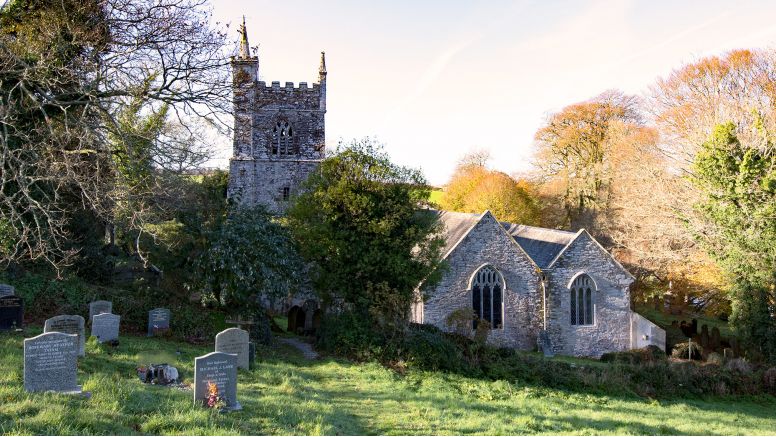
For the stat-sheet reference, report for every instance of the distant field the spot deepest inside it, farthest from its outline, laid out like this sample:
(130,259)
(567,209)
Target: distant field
(287,394)
(436,195)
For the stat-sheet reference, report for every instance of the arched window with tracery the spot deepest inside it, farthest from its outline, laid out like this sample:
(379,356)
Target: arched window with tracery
(582,303)
(282,139)
(488,297)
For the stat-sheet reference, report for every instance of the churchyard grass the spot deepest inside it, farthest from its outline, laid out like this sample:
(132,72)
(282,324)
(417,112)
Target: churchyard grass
(287,394)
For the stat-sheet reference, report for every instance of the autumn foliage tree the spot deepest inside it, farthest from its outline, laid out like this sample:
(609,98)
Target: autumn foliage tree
(476,188)
(574,151)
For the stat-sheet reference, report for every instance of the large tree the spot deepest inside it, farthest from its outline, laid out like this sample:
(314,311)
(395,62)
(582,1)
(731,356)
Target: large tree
(737,186)
(574,153)
(476,188)
(359,223)
(68,72)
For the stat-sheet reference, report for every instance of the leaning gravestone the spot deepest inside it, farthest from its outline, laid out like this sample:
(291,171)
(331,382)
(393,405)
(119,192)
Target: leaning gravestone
(158,321)
(220,369)
(69,325)
(105,327)
(11,312)
(235,341)
(50,363)
(6,290)
(545,344)
(99,307)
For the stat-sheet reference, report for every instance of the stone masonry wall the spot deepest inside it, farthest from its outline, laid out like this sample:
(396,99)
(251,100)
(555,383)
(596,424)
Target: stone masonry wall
(256,175)
(488,243)
(611,329)
(263,181)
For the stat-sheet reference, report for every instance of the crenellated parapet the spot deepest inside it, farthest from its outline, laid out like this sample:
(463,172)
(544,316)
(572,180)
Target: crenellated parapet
(302,97)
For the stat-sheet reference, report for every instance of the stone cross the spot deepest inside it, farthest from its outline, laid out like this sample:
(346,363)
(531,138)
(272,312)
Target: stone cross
(50,363)
(235,341)
(68,324)
(11,312)
(220,369)
(99,307)
(239,321)
(105,327)
(158,321)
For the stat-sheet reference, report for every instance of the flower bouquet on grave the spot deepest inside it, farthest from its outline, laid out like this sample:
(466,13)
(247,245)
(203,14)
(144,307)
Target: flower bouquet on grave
(214,399)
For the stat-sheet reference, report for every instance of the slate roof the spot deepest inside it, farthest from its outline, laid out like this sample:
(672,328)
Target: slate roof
(457,224)
(541,244)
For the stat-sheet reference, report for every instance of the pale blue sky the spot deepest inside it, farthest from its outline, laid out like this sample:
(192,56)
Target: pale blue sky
(436,79)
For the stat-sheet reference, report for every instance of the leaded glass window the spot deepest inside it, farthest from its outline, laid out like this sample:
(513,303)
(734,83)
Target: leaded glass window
(487,297)
(582,304)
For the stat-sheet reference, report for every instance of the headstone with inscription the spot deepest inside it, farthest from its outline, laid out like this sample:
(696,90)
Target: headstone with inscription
(68,324)
(6,290)
(235,341)
(220,369)
(105,327)
(158,321)
(11,312)
(99,307)
(50,363)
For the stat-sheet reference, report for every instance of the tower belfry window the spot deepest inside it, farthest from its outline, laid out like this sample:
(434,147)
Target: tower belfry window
(282,139)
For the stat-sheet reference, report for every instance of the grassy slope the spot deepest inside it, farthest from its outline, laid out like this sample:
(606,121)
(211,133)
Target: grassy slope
(287,395)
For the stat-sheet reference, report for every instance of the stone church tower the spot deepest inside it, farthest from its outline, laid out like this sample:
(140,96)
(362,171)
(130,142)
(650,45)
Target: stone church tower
(279,133)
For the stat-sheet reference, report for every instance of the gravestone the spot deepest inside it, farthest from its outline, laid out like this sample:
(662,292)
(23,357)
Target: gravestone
(235,341)
(220,369)
(69,325)
(6,290)
(704,338)
(735,346)
(11,312)
(715,341)
(99,307)
(545,343)
(106,327)
(158,321)
(50,363)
